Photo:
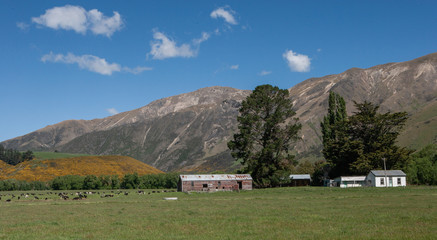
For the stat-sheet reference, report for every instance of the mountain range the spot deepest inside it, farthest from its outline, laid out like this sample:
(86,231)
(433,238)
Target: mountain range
(189,132)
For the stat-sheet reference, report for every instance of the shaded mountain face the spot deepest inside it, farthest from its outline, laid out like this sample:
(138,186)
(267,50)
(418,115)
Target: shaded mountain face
(189,132)
(176,133)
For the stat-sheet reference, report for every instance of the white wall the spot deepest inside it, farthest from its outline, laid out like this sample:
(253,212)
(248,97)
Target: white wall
(387,181)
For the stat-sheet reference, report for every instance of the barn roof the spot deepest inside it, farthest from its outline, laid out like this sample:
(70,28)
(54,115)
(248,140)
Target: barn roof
(219,177)
(300,177)
(381,173)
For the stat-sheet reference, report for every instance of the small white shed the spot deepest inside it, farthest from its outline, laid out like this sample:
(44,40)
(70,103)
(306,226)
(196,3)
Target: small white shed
(349,181)
(389,178)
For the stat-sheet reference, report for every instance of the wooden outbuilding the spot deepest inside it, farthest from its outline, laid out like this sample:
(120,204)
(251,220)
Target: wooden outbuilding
(214,182)
(297,180)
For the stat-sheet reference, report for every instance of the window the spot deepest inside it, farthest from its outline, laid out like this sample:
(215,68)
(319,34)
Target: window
(382,181)
(399,181)
(192,183)
(205,185)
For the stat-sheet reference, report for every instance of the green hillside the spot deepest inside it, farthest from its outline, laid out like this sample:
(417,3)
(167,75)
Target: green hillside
(421,128)
(56,155)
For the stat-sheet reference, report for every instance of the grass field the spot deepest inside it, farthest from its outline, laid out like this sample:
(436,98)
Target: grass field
(282,213)
(56,155)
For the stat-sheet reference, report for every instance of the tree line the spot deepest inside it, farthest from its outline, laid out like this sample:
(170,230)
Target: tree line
(92,182)
(14,157)
(352,145)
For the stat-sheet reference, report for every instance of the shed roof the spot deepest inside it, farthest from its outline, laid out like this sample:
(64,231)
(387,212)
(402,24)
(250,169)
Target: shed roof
(211,177)
(300,177)
(381,173)
(351,178)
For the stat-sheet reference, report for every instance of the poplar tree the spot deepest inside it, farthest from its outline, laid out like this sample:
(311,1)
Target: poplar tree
(266,131)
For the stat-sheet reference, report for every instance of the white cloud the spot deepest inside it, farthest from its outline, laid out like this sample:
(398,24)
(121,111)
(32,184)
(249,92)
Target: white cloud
(205,36)
(92,63)
(227,15)
(163,48)
(79,20)
(137,70)
(23,26)
(297,62)
(235,67)
(112,111)
(264,73)
(89,62)
(104,25)
(319,49)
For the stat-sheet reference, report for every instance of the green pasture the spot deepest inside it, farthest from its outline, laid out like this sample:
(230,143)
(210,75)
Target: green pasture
(281,213)
(56,155)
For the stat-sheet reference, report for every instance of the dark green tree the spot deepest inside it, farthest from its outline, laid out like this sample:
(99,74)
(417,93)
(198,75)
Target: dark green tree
(361,142)
(130,181)
(336,144)
(376,134)
(336,114)
(92,182)
(422,167)
(27,156)
(266,130)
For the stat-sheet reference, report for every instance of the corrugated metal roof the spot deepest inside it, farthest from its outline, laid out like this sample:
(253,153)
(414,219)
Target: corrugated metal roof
(219,177)
(300,177)
(381,173)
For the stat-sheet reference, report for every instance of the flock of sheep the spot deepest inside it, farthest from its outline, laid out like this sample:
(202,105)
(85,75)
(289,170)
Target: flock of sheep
(9,197)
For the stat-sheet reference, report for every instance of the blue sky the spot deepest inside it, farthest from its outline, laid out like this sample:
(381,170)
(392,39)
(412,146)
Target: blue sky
(64,60)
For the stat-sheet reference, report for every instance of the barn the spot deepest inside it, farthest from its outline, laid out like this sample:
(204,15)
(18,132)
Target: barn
(214,182)
(389,178)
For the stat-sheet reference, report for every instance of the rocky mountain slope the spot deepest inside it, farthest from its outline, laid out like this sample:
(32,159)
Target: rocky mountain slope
(189,132)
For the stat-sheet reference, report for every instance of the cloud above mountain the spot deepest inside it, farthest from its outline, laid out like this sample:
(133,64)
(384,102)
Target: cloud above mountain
(112,111)
(297,62)
(91,63)
(163,47)
(78,19)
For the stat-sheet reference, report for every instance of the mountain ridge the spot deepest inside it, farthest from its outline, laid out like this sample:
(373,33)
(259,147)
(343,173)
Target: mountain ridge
(189,132)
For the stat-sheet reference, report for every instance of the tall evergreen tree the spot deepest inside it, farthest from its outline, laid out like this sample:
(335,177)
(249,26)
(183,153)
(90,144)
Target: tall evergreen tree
(334,137)
(266,131)
(376,134)
(358,144)
(336,114)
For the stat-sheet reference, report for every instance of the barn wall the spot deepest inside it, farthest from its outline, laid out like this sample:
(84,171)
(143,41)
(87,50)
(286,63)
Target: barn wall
(214,185)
